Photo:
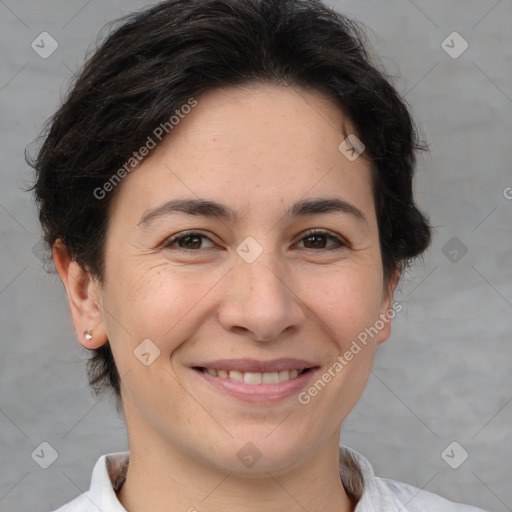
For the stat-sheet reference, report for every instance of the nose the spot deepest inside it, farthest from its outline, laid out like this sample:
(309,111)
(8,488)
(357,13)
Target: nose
(259,301)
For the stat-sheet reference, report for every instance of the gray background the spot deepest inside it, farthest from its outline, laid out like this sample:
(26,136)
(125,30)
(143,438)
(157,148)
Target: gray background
(443,376)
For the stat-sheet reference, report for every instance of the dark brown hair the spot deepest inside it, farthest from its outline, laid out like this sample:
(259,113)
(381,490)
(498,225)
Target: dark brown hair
(154,61)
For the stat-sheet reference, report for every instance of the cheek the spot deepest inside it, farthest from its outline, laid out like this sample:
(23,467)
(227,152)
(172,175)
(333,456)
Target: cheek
(346,304)
(345,301)
(155,303)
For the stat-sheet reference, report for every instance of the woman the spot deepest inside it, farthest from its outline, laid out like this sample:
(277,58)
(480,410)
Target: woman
(227,192)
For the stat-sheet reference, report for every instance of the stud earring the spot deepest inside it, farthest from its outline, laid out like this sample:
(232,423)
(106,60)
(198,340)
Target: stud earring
(88,335)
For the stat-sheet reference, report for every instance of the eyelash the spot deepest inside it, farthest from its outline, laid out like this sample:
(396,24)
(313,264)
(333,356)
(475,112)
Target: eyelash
(170,242)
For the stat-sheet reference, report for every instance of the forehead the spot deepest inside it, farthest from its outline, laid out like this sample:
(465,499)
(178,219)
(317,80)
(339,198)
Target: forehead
(263,117)
(251,143)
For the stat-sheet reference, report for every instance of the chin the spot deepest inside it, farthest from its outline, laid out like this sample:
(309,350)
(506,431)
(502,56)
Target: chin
(257,455)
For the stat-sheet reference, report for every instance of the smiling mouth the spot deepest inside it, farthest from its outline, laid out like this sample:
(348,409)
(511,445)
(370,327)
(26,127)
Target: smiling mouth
(254,377)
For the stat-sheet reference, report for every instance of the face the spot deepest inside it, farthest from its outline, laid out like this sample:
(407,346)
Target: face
(245,249)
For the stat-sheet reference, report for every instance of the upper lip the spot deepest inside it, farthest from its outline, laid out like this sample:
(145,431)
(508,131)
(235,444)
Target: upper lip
(253,365)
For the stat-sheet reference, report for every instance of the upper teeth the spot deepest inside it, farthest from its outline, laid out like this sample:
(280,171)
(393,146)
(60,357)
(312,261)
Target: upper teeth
(255,377)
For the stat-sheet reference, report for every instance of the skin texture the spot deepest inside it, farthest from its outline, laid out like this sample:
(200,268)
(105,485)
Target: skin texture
(258,150)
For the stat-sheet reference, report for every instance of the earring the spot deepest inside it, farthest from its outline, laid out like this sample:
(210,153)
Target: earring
(88,335)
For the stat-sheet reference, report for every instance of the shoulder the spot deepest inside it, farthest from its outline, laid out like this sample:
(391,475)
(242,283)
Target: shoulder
(80,504)
(106,477)
(377,494)
(408,498)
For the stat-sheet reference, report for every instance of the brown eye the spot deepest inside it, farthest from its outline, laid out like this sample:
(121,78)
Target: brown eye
(322,240)
(189,241)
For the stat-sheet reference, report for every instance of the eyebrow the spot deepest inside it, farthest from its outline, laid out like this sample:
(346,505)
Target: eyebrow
(213,209)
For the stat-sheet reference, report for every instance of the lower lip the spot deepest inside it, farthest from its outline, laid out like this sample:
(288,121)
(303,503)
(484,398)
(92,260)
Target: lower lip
(259,392)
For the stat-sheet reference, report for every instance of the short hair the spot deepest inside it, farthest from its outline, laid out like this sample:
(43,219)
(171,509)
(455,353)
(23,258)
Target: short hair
(155,60)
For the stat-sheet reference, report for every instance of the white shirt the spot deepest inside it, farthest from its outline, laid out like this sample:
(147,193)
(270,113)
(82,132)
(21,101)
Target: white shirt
(374,494)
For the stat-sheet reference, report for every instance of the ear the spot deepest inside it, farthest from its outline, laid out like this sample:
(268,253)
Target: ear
(84,294)
(387,311)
